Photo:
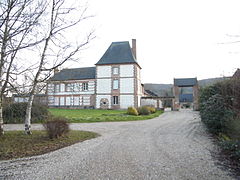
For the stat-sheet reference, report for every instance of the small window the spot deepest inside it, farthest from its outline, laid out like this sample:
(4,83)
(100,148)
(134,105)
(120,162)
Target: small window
(115,100)
(115,84)
(69,87)
(115,70)
(85,86)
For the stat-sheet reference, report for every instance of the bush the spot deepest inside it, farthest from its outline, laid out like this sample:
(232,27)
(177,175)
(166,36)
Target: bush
(132,111)
(215,115)
(56,127)
(151,109)
(144,110)
(15,113)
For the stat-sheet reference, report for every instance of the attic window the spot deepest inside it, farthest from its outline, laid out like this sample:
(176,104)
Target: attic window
(115,70)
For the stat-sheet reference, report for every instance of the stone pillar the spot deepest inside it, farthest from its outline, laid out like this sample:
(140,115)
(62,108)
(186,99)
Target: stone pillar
(176,104)
(195,97)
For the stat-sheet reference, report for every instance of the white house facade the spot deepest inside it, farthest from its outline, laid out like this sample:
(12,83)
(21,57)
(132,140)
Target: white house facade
(114,82)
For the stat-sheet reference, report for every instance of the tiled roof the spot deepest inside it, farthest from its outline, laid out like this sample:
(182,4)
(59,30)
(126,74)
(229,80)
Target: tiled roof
(75,74)
(118,53)
(185,82)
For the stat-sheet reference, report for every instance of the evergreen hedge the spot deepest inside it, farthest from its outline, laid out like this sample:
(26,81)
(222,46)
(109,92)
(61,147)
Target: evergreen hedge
(15,113)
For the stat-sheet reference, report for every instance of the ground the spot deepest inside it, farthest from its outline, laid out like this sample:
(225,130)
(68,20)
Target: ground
(172,146)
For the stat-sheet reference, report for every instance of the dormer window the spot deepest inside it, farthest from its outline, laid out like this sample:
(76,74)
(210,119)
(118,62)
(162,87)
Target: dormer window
(115,70)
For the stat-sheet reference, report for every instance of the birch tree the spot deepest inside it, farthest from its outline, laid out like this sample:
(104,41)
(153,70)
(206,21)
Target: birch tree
(56,49)
(18,20)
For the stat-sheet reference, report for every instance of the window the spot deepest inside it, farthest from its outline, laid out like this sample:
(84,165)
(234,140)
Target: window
(69,87)
(85,86)
(57,88)
(62,87)
(115,100)
(115,70)
(115,84)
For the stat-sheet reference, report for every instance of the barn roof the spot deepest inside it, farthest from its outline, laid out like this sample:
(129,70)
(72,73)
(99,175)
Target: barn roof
(118,53)
(185,82)
(75,74)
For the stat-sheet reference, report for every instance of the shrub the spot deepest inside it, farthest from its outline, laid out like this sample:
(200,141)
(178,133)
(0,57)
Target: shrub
(132,111)
(56,127)
(15,113)
(214,114)
(144,110)
(151,109)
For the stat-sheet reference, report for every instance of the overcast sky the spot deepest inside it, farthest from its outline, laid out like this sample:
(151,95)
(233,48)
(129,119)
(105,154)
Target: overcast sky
(175,38)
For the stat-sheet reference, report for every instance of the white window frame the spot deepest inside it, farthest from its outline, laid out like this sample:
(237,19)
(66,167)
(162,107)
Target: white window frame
(115,84)
(115,70)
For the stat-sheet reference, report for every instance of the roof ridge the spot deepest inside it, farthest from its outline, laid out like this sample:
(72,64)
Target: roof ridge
(78,68)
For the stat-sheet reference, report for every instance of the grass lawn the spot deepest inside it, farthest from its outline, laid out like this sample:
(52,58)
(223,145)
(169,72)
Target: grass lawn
(15,144)
(97,115)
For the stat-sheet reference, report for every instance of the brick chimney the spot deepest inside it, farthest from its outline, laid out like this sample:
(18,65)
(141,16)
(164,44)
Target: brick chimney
(134,48)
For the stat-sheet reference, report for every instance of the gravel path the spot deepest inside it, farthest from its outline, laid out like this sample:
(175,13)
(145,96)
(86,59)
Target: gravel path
(172,146)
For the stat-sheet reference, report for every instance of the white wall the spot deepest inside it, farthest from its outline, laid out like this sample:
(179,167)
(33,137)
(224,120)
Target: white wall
(126,101)
(149,102)
(126,85)
(139,101)
(126,70)
(99,97)
(104,71)
(103,85)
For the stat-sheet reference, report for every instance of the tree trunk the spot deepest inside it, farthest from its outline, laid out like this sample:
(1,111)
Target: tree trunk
(1,118)
(28,115)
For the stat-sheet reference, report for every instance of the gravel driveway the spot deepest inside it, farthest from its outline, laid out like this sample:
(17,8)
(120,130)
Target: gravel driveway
(172,146)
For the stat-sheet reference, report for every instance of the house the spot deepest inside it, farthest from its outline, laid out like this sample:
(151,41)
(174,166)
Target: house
(114,82)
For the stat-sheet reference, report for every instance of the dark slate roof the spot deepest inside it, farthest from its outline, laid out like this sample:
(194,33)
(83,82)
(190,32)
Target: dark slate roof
(118,53)
(75,74)
(150,93)
(185,82)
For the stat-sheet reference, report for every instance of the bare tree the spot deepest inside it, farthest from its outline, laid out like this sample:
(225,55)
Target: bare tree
(18,20)
(56,49)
